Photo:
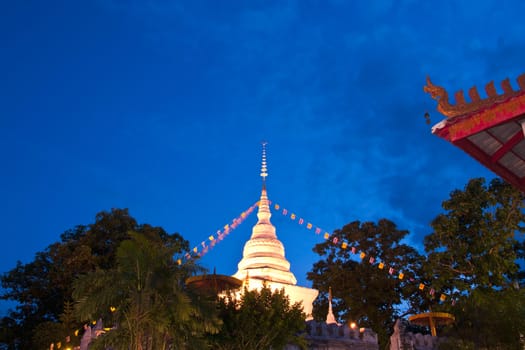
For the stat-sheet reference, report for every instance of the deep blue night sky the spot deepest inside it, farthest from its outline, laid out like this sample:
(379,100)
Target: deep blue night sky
(160,107)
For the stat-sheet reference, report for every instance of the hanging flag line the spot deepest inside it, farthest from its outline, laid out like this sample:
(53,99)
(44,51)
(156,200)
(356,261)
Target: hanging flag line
(395,272)
(203,248)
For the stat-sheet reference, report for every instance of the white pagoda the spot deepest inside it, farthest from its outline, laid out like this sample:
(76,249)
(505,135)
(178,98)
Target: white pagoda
(263,261)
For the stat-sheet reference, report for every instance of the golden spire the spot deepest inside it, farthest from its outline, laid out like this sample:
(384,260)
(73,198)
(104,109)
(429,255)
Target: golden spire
(264,168)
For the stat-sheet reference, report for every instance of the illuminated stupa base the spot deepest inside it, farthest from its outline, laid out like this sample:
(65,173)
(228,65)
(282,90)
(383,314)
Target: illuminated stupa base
(297,294)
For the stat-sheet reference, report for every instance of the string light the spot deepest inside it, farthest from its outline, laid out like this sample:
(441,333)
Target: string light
(204,248)
(381,265)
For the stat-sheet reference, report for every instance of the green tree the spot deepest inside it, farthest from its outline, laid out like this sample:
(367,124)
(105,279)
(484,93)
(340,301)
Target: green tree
(474,243)
(41,287)
(362,292)
(54,332)
(489,319)
(153,309)
(259,320)
(473,255)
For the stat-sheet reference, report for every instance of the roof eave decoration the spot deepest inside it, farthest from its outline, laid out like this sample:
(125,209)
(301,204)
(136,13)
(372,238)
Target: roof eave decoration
(467,118)
(490,130)
(462,107)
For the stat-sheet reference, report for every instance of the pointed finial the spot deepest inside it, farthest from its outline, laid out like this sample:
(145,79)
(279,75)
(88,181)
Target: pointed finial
(264,169)
(330,318)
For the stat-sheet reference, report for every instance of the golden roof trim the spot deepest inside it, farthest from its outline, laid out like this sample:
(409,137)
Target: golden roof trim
(476,103)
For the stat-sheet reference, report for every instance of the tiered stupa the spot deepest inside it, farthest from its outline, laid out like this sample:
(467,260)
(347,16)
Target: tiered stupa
(263,261)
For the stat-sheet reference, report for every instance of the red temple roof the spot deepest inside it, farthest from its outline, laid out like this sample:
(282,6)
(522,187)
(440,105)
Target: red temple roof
(491,130)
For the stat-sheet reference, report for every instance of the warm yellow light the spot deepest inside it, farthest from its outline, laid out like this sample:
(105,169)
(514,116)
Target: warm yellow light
(361,330)
(353,325)
(112,308)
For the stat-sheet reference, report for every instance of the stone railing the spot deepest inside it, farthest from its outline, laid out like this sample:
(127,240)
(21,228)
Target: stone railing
(323,336)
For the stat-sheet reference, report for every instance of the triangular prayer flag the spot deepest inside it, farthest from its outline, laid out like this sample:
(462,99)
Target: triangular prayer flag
(401,275)
(211,238)
(353,250)
(371,260)
(362,255)
(391,270)
(179,262)
(317,230)
(334,240)
(309,226)
(453,302)
(432,291)
(195,250)
(421,286)
(344,245)
(301,220)
(292,216)
(381,265)
(326,235)
(285,212)
(442,297)
(276,206)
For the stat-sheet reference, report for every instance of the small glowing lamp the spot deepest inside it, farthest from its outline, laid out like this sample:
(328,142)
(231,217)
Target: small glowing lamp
(353,325)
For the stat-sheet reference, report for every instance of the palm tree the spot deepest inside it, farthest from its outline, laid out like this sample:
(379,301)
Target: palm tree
(145,299)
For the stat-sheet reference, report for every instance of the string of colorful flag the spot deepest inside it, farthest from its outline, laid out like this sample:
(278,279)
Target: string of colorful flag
(206,245)
(395,272)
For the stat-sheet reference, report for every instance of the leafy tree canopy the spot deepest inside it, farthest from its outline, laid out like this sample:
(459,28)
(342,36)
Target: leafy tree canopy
(475,242)
(41,287)
(259,320)
(362,292)
(145,299)
(474,255)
